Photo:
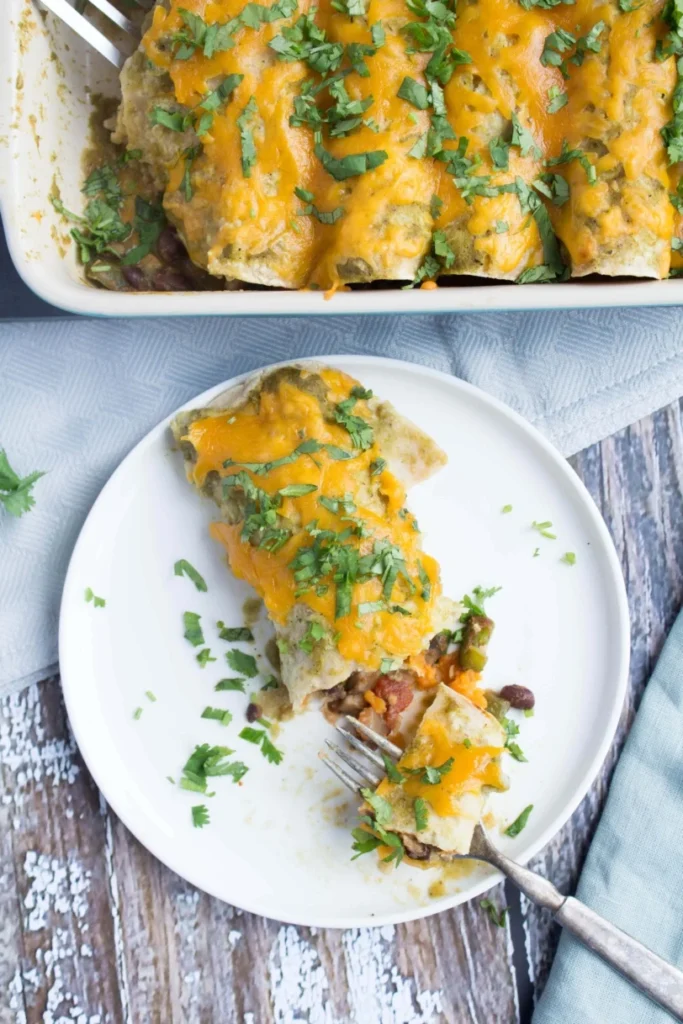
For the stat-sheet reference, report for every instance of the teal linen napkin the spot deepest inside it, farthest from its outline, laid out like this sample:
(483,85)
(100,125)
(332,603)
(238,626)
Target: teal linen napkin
(633,873)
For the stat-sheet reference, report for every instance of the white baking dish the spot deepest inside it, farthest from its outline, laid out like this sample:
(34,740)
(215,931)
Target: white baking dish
(47,77)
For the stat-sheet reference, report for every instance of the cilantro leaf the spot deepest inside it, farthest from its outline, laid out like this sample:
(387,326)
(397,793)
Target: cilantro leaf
(498,917)
(431,775)
(243,663)
(193,630)
(245,126)
(523,138)
(381,807)
(207,761)
(204,657)
(393,774)
(519,823)
(98,602)
(183,568)
(230,684)
(217,714)
(349,166)
(364,842)
(234,633)
(421,812)
(200,816)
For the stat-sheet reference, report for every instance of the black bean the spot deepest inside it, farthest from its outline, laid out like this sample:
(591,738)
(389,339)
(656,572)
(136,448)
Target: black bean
(169,246)
(136,278)
(254,712)
(519,697)
(169,280)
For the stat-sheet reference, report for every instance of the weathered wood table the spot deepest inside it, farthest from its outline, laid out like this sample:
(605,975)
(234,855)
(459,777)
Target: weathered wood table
(94,929)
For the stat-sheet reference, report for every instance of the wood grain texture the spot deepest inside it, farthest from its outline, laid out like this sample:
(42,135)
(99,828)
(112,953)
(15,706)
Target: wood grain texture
(93,929)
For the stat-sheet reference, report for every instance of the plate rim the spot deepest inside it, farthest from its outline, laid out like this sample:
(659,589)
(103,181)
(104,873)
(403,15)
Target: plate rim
(616,584)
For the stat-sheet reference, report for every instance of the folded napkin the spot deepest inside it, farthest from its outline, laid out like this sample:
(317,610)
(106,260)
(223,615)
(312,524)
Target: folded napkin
(633,874)
(77,394)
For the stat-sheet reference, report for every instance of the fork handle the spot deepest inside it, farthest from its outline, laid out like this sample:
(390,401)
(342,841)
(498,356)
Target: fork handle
(659,980)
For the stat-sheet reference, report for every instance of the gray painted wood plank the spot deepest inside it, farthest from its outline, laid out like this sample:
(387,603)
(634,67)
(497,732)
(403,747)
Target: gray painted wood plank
(635,480)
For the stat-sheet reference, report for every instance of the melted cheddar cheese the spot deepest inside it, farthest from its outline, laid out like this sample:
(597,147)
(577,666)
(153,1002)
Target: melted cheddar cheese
(473,767)
(618,98)
(372,513)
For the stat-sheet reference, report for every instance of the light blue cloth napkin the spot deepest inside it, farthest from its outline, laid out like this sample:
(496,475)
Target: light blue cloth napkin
(77,394)
(633,874)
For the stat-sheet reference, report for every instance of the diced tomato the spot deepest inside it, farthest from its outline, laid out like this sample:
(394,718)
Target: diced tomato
(396,691)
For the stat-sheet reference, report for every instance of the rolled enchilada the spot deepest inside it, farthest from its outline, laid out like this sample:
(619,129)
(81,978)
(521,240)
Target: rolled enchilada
(310,472)
(391,139)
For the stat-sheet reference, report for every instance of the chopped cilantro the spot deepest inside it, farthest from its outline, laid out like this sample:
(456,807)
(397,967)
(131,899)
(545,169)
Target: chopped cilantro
(498,917)
(98,602)
(537,552)
(415,93)
(359,430)
(500,153)
(174,120)
(100,226)
(544,529)
(519,823)
(364,842)
(431,775)
(506,508)
(315,631)
(556,99)
(234,633)
(259,737)
(523,138)
(568,154)
(569,558)
(204,657)
(245,126)
(501,227)
(148,222)
(425,581)
(421,812)
(193,630)
(243,663)
(325,217)
(218,715)
(230,684)
(270,683)
(200,816)
(15,491)
(183,568)
(206,762)
(377,466)
(516,751)
(349,166)
(560,42)
(393,774)
(380,806)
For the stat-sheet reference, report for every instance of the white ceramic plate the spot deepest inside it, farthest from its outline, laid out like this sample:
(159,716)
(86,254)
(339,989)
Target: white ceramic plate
(279,844)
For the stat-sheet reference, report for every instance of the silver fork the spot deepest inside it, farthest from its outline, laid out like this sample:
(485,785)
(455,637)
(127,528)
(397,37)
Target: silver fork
(360,767)
(86,30)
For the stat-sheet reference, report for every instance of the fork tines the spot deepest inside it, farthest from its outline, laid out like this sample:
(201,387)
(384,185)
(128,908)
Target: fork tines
(366,765)
(92,35)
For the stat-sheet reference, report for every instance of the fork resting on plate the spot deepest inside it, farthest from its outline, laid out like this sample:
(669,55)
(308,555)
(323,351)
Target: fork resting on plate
(359,766)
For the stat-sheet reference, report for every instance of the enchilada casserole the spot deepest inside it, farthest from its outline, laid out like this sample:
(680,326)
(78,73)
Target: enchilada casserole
(300,146)
(309,472)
